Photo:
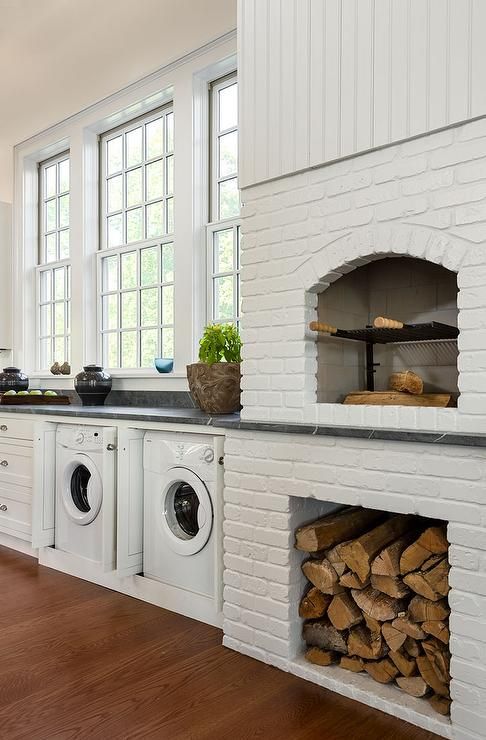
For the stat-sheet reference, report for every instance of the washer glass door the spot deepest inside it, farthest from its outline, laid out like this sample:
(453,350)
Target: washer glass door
(187,512)
(82,490)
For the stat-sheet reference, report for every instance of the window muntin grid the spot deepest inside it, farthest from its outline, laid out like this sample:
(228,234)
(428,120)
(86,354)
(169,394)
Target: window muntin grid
(54,177)
(138,180)
(137,305)
(54,314)
(224,231)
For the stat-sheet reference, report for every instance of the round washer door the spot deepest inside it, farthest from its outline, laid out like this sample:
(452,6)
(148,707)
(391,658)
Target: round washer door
(82,490)
(187,512)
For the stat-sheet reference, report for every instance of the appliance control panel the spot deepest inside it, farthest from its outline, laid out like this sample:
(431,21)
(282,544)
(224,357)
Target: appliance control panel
(189,451)
(78,437)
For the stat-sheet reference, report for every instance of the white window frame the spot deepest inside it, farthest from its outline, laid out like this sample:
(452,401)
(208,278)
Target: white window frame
(185,82)
(215,224)
(43,266)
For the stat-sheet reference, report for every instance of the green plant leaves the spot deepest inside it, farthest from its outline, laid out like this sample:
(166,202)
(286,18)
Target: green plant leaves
(220,342)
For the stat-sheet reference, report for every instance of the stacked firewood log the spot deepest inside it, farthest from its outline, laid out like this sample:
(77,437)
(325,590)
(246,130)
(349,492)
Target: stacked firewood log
(377,600)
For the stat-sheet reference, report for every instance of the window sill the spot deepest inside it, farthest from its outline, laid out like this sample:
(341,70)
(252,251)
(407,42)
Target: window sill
(114,374)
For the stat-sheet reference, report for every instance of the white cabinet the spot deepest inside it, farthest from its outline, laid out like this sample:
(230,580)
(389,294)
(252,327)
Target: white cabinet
(6,275)
(16,473)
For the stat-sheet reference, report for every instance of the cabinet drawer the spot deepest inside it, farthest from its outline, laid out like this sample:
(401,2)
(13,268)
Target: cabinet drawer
(16,428)
(15,464)
(15,515)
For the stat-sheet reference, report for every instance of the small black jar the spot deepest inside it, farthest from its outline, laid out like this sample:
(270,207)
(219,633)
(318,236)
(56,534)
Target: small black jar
(92,385)
(12,379)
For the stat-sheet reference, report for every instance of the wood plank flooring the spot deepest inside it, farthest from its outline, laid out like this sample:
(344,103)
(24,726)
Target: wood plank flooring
(79,661)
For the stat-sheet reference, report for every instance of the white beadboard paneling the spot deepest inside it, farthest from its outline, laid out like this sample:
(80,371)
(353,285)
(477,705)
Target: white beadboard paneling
(478,58)
(324,79)
(364,73)
(331,106)
(418,67)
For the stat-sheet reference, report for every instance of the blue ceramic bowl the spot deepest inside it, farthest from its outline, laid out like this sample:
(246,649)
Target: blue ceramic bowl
(164,364)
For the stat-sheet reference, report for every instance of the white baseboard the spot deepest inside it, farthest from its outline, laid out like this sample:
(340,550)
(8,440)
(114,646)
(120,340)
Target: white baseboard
(14,543)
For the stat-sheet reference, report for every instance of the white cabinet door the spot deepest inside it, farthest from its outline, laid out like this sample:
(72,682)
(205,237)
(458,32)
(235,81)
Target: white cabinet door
(44,485)
(108,476)
(130,502)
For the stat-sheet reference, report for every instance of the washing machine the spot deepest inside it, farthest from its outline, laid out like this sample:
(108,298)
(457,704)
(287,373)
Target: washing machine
(85,493)
(182,541)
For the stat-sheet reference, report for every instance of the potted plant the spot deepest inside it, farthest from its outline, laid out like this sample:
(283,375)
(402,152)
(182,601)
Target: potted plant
(214,382)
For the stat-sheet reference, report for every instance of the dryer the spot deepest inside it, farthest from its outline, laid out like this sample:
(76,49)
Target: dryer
(85,493)
(182,542)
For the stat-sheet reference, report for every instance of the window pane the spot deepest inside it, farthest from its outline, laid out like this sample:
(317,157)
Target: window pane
(110,350)
(154,133)
(64,176)
(59,284)
(59,351)
(129,349)
(50,250)
(223,298)
(149,307)
(129,270)
(223,251)
(228,154)
(168,263)
(50,185)
(170,215)
(134,225)
(59,318)
(45,353)
(110,312)
(168,304)
(64,244)
(168,343)
(229,201)
(115,231)
(149,266)
(45,320)
(134,146)
(45,286)
(170,175)
(155,179)
(155,220)
(134,187)
(129,309)
(110,273)
(114,155)
(148,347)
(64,210)
(51,215)
(115,193)
(169,123)
(228,107)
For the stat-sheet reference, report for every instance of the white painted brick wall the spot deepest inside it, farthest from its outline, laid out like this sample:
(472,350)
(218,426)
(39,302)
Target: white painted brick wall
(275,482)
(424,198)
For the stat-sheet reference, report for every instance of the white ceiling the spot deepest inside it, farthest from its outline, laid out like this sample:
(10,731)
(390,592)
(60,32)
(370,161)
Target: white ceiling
(58,56)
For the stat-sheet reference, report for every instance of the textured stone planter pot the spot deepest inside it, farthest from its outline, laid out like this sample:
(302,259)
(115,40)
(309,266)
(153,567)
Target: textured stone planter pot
(215,388)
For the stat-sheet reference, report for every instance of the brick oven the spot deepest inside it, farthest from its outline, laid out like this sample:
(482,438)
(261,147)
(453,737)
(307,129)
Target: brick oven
(396,232)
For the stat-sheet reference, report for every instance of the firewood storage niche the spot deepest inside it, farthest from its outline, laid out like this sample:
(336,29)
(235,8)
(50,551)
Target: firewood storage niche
(375,599)
(408,290)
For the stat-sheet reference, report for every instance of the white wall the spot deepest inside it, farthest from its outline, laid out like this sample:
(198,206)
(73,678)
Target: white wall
(59,56)
(323,79)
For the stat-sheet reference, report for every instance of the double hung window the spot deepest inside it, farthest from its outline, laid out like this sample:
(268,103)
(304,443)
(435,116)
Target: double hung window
(223,232)
(54,269)
(136,260)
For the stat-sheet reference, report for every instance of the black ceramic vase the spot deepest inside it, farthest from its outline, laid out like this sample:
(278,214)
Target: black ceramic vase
(92,385)
(13,380)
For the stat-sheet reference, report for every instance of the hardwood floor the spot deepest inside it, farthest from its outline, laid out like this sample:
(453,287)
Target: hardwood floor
(79,661)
